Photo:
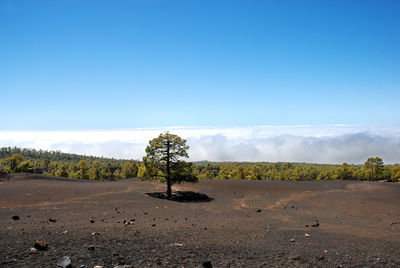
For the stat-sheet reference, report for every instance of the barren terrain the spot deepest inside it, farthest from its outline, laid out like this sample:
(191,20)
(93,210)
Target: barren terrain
(246,224)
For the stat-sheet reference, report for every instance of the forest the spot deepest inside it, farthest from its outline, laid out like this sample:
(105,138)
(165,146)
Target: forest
(55,163)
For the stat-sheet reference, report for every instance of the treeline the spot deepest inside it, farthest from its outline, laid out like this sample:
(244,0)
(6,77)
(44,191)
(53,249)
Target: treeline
(16,160)
(55,163)
(373,169)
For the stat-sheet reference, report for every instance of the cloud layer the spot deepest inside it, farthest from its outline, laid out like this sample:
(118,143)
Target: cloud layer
(313,144)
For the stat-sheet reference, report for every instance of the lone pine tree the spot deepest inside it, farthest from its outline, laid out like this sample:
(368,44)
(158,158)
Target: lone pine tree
(163,160)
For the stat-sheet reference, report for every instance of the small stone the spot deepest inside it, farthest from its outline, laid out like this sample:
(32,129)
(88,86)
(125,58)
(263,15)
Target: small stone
(98,266)
(15,217)
(153,225)
(90,247)
(307,235)
(95,233)
(207,264)
(52,220)
(296,257)
(41,245)
(321,257)
(33,250)
(307,225)
(91,221)
(115,254)
(258,210)
(292,240)
(83,266)
(64,232)
(123,266)
(65,262)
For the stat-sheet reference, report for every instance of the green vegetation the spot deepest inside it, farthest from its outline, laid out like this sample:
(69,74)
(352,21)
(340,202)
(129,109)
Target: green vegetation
(162,160)
(16,160)
(373,169)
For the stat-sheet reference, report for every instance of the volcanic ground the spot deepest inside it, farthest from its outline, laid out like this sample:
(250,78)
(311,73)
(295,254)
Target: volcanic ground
(239,223)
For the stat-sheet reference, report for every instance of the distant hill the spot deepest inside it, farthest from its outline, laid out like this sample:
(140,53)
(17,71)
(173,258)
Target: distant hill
(33,154)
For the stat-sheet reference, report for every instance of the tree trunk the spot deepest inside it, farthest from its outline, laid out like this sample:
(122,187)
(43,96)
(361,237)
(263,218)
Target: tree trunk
(169,192)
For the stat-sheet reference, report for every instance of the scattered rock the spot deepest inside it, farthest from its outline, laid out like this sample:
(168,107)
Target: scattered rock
(321,257)
(292,240)
(83,266)
(90,247)
(98,266)
(64,232)
(128,223)
(316,224)
(65,262)
(33,250)
(52,220)
(258,210)
(207,264)
(15,217)
(177,244)
(307,235)
(95,233)
(92,221)
(41,245)
(153,225)
(296,257)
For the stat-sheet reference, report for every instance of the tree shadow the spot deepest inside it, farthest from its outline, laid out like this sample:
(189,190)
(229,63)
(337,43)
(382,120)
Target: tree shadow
(183,196)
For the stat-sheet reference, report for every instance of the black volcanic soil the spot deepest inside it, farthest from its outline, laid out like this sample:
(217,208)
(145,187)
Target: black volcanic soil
(247,224)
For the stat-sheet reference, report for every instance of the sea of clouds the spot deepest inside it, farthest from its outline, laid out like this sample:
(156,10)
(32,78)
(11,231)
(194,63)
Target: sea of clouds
(312,144)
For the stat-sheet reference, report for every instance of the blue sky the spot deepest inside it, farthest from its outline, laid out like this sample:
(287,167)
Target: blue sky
(304,81)
(68,65)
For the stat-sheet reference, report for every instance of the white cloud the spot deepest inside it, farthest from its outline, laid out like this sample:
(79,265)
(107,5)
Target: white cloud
(317,144)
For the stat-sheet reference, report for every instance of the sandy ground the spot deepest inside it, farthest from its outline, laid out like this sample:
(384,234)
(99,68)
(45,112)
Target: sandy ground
(248,224)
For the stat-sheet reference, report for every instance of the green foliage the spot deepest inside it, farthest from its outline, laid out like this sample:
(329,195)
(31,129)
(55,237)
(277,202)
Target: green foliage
(129,170)
(83,171)
(395,173)
(162,160)
(26,167)
(96,171)
(142,171)
(62,172)
(13,162)
(374,169)
(16,160)
(118,175)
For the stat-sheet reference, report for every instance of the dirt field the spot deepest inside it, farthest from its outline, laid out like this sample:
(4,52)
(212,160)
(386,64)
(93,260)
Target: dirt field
(247,224)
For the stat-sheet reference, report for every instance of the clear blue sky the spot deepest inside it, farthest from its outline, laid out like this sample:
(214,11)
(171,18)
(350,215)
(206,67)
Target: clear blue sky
(132,64)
